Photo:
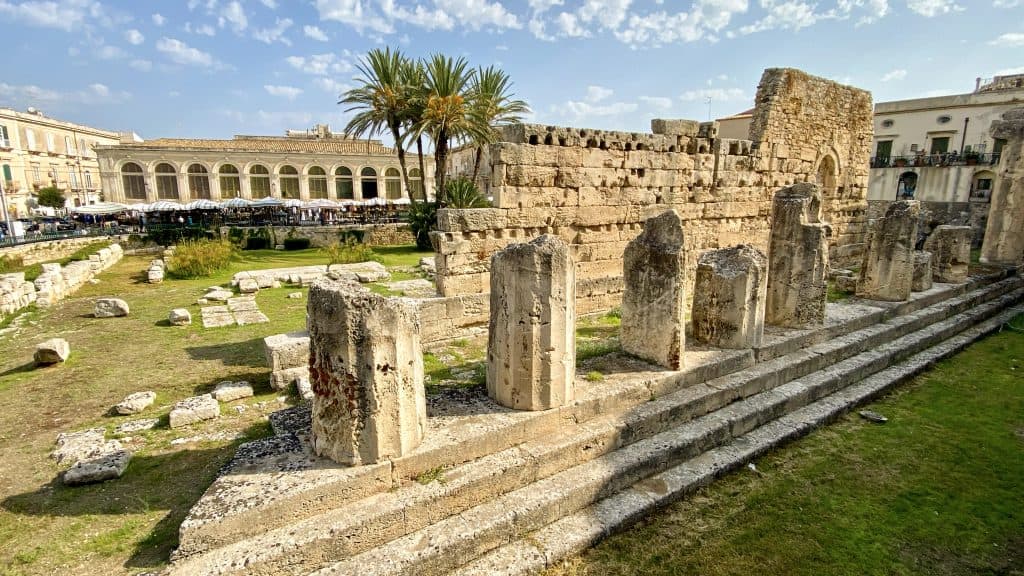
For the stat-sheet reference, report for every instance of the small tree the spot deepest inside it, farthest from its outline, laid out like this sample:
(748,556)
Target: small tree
(51,197)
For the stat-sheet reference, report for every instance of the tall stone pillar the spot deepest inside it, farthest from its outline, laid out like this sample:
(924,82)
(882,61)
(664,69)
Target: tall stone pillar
(1004,233)
(531,349)
(729,297)
(951,253)
(887,270)
(797,259)
(922,271)
(366,370)
(653,303)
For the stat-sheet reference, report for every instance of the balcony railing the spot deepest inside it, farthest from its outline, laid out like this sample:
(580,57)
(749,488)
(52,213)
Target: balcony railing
(922,160)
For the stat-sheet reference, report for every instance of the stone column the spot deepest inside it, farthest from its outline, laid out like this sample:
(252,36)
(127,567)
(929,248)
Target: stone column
(951,253)
(922,271)
(531,348)
(653,302)
(797,259)
(1004,233)
(357,186)
(729,297)
(304,187)
(366,371)
(887,270)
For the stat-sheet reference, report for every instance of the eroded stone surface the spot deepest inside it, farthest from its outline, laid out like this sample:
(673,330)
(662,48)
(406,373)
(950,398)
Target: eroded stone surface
(228,391)
(951,253)
(1004,232)
(135,403)
(137,426)
(100,469)
(653,301)
(179,317)
(531,349)
(366,370)
(81,445)
(922,271)
(729,297)
(797,259)
(52,351)
(248,286)
(887,270)
(110,308)
(194,409)
(284,351)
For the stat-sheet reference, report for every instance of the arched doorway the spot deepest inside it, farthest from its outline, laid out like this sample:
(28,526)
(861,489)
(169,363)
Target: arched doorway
(369,182)
(317,182)
(230,184)
(906,186)
(343,183)
(289,178)
(166,182)
(981,185)
(133,181)
(198,181)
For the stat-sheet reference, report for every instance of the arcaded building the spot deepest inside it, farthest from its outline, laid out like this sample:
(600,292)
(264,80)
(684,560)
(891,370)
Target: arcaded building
(306,165)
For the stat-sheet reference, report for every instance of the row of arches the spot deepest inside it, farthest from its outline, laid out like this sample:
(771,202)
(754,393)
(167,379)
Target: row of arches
(258,177)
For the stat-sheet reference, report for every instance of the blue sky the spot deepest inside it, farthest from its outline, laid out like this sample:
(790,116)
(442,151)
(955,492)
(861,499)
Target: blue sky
(214,68)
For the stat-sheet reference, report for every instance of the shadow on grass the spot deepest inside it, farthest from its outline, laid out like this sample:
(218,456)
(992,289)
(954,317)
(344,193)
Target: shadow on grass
(244,353)
(26,367)
(172,481)
(162,323)
(260,382)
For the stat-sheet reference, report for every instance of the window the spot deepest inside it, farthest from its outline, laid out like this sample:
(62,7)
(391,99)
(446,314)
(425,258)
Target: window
(259,181)
(88,179)
(8,177)
(416,184)
(907,186)
(37,177)
(289,179)
(54,174)
(133,182)
(198,181)
(73,177)
(30,138)
(51,143)
(343,183)
(5,141)
(944,119)
(368,182)
(166,182)
(230,183)
(883,151)
(981,186)
(317,182)
(69,145)
(393,183)
(939,145)
(888,123)
(81,147)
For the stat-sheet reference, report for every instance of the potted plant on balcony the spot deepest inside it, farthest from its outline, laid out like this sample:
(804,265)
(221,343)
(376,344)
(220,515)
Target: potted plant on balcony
(972,158)
(900,162)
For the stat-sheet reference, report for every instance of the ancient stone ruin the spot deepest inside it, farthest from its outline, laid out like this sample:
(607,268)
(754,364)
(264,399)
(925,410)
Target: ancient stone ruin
(729,297)
(951,253)
(887,270)
(922,271)
(366,369)
(531,346)
(797,259)
(653,302)
(1004,233)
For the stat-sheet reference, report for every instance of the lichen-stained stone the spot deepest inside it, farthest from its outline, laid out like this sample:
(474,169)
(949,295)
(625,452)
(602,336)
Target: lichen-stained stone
(1004,232)
(179,317)
(135,403)
(729,297)
(366,371)
(922,271)
(100,469)
(653,303)
(531,349)
(110,308)
(289,350)
(192,410)
(797,259)
(52,351)
(887,270)
(951,253)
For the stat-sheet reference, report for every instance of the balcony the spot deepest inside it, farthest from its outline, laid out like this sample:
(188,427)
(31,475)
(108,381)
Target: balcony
(923,160)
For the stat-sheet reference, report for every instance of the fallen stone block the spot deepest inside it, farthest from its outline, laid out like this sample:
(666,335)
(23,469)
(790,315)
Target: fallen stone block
(135,403)
(52,351)
(110,308)
(107,467)
(179,317)
(248,286)
(228,391)
(219,295)
(81,445)
(289,350)
(155,275)
(304,388)
(295,295)
(194,409)
(137,426)
(282,379)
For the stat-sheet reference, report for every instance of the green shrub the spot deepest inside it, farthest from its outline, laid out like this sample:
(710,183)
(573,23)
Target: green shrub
(296,243)
(257,243)
(171,235)
(423,219)
(198,258)
(347,252)
(463,193)
(10,263)
(237,236)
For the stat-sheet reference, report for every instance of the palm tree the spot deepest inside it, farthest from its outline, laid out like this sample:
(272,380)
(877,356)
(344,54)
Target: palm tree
(414,81)
(381,101)
(493,105)
(446,111)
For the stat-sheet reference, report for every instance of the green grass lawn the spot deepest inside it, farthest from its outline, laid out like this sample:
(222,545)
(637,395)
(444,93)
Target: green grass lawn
(938,490)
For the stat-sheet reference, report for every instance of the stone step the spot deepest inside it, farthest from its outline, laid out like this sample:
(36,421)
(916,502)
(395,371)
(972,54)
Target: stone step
(355,527)
(533,552)
(444,545)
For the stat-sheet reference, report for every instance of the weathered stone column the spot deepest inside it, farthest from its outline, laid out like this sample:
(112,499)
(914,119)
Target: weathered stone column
(797,259)
(887,270)
(922,272)
(366,370)
(653,303)
(1004,233)
(729,297)
(951,253)
(531,349)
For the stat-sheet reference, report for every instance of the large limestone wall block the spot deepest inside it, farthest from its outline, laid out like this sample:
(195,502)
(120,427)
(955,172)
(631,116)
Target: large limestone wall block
(951,252)
(653,302)
(887,270)
(366,370)
(729,297)
(1004,232)
(531,349)
(797,259)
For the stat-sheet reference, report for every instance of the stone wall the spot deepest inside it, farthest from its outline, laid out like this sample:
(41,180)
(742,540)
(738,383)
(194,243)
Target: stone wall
(934,214)
(594,189)
(55,283)
(36,252)
(373,234)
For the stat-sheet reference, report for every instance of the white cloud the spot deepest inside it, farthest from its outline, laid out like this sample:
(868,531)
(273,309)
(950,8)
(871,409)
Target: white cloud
(659,102)
(598,93)
(289,92)
(232,13)
(141,65)
(871,10)
(134,37)
(331,85)
(315,33)
(173,94)
(64,15)
(897,74)
(1006,3)
(716,94)
(569,26)
(537,28)
(93,94)
(1010,39)
(787,15)
(158,19)
(930,8)
(272,4)
(181,53)
(355,13)
(201,29)
(275,33)
(1010,71)
(538,6)
(322,64)
(108,52)
(578,110)
(477,14)
(380,17)
(609,13)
